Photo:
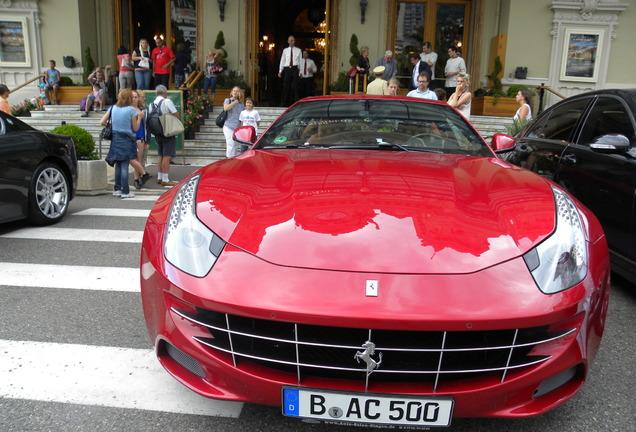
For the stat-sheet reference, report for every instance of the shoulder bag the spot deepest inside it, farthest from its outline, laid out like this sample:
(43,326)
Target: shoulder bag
(107,132)
(171,125)
(220,120)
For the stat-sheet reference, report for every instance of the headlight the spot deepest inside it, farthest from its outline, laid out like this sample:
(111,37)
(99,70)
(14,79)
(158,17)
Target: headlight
(189,245)
(560,261)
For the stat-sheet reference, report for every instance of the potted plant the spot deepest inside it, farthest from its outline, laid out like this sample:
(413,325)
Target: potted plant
(340,85)
(194,113)
(226,81)
(491,100)
(23,109)
(92,174)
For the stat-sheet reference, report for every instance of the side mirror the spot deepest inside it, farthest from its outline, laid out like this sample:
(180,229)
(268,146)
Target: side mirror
(502,142)
(245,135)
(610,143)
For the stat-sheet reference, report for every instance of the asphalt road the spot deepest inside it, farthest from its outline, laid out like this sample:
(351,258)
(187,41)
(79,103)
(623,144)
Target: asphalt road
(56,315)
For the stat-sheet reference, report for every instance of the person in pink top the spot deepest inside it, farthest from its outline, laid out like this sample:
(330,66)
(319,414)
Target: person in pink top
(162,58)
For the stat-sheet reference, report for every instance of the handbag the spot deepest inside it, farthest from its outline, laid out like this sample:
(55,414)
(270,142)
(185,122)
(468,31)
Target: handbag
(144,63)
(107,132)
(220,120)
(172,126)
(353,71)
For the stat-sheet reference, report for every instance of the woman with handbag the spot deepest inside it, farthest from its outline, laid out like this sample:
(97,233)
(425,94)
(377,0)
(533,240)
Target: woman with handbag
(126,68)
(233,106)
(138,164)
(142,61)
(125,120)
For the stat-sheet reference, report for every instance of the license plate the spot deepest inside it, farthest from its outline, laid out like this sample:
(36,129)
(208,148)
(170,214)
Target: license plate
(373,408)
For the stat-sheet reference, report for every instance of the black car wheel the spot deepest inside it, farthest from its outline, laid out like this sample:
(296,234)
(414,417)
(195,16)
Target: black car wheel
(49,195)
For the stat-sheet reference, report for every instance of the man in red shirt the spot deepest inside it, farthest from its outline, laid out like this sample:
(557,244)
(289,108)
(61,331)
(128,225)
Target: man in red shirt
(162,58)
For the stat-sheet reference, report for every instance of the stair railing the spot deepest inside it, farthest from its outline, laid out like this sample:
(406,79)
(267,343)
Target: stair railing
(542,89)
(26,83)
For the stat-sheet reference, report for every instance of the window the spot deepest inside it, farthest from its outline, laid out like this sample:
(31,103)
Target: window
(561,122)
(442,23)
(608,116)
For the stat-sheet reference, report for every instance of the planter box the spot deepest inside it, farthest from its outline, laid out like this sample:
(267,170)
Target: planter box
(486,105)
(72,95)
(92,177)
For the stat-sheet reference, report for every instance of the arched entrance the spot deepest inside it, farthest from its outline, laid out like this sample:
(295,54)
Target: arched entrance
(277,19)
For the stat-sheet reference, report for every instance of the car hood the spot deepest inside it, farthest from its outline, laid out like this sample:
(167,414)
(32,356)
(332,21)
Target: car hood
(376,211)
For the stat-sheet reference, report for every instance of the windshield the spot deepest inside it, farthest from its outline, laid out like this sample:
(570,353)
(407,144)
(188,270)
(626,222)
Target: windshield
(385,124)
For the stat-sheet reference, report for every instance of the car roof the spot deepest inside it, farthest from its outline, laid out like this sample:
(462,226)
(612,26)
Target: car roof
(628,95)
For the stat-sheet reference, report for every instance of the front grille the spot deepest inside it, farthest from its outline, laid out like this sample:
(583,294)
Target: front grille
(403,356)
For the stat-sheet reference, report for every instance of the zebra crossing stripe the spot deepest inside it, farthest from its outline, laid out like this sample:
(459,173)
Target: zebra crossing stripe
(76,234)
(101,376)
(69,277)
(113,212)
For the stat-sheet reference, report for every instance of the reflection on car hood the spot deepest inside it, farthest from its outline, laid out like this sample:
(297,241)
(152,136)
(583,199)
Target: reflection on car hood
(376,211)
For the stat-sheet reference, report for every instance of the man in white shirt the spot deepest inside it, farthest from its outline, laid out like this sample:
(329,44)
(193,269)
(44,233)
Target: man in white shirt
(422,91)
(307,70)
(288,71)
(454,66)
(430,57)
(166,146)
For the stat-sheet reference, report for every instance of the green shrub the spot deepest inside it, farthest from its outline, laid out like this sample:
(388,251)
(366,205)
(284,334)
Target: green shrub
(514,89)
(89,64)
(218,45)
(66,81)
(355,52)
(230,79)
(84,144)
(341,84)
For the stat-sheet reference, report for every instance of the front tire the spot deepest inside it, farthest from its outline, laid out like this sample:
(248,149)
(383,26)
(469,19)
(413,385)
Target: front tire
(49,195)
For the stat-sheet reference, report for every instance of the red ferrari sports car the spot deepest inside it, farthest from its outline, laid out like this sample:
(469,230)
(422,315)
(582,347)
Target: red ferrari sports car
(370,260)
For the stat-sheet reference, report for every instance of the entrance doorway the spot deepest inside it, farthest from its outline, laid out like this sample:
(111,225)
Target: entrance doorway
(307,21)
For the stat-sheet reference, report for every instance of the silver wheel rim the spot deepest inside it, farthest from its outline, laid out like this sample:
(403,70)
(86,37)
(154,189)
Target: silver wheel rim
(51,193)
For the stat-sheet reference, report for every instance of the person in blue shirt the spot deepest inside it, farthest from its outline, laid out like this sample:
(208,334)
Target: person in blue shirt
(125,120)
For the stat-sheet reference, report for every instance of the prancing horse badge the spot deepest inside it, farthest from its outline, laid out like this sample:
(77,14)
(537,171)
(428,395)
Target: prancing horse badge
(372,288)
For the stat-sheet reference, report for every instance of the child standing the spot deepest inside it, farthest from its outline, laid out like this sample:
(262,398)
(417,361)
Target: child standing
(99,103)
(249,117)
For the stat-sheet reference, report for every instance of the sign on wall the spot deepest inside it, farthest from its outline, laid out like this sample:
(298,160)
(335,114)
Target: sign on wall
(581,55)
(14,42)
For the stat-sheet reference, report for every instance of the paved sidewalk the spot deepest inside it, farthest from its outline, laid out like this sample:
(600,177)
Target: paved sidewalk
(177,172)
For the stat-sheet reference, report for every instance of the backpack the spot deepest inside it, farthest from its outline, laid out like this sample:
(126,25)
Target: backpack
(153,122)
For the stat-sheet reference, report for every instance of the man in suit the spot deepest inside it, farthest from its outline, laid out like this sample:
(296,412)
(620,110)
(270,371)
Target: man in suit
(288,71)
(307,70)
(419,66)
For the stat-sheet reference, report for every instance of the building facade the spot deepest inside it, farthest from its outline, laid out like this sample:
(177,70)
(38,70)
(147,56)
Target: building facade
(570,46)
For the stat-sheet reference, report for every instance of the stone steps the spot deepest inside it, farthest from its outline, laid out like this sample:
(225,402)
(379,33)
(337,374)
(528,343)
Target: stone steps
(208,144)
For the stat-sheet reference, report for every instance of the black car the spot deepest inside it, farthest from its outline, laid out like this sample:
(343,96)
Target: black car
(38,173)
(587,144)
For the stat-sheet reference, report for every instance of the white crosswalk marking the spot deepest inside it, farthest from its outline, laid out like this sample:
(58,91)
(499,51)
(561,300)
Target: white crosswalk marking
(76,234)
(70,277)
(113,377)
(114,212)
(96,375)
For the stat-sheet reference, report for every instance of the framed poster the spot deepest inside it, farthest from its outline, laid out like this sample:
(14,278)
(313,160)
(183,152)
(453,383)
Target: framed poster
(14,42)
(581,55)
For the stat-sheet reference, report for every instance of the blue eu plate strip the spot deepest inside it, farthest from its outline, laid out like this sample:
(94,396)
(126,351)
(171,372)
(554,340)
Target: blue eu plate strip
(292,402)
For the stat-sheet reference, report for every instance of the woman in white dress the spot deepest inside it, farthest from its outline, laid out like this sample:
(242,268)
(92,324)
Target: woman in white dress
(524,113)
(461,100)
